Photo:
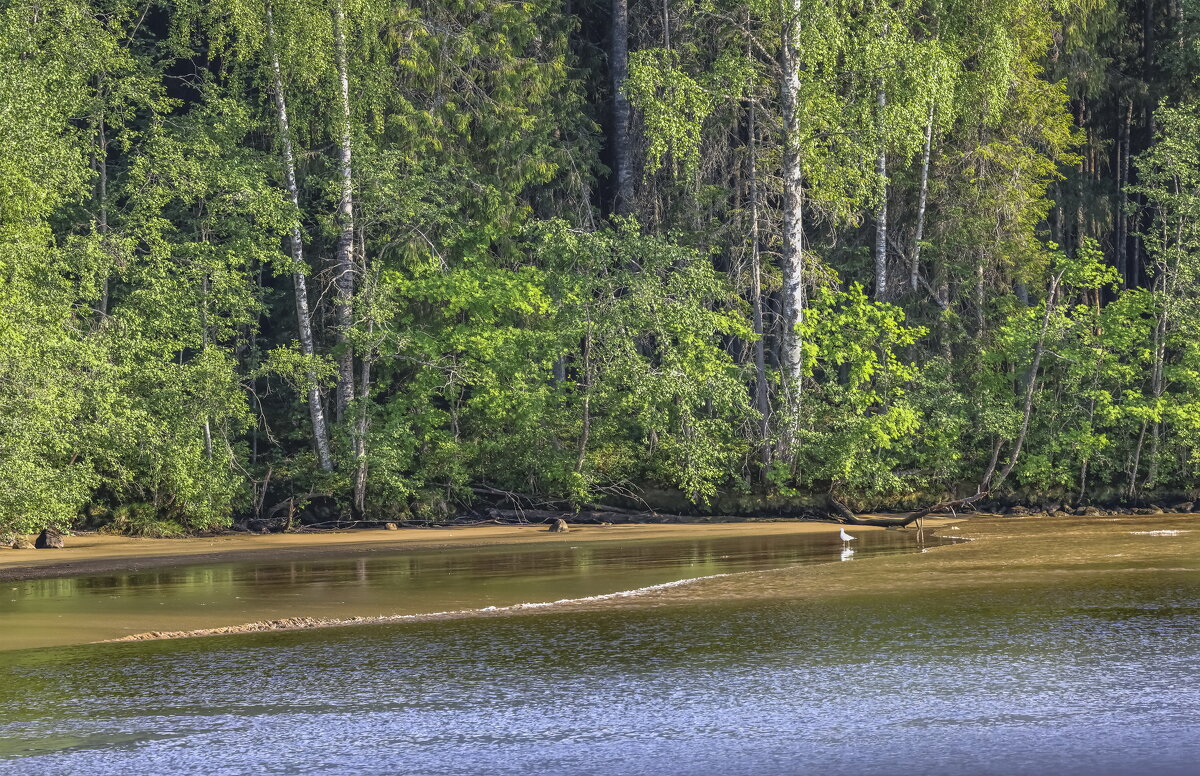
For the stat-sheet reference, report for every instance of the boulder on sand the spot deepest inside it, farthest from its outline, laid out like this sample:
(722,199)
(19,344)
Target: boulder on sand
(49,539)
(559,526)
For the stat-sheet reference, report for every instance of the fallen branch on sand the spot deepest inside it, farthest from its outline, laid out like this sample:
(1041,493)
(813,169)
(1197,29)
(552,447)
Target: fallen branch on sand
(850,518)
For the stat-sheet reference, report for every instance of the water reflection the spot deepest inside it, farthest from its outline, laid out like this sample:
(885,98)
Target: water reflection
(74,610)
(1056,666)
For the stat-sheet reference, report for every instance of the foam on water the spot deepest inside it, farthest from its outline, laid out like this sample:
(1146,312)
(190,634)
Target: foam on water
(304,623)
(1158,533)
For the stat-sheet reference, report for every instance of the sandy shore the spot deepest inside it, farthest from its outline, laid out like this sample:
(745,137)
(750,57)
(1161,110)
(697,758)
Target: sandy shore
(88,554)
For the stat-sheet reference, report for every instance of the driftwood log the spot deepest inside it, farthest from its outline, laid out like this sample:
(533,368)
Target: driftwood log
(593,516)
(850,518)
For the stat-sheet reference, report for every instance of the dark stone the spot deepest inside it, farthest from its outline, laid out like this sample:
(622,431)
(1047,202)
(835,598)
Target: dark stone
(49,539)
(1185,506)
(559,526)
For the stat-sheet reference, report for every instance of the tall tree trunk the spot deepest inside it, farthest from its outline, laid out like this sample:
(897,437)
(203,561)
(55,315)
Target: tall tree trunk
(1163,288)
(1123,264)
(980,297)
(299,278)
(1156,390)
(1079,185)
(367,360)
(666,22)
(618,64)
(761,398)
(586,429)
(1030,389)
(1148,48)
(102,214)
(208,445)
(792,260)
(344,281)
(360,430)
(915,265)
(881,215)
(1137,461)
(1083,467)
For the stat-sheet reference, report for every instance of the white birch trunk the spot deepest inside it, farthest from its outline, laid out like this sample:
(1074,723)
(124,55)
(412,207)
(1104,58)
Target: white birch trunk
(881,216)
(915,266)
(344,281)
(303,316)
(792,260)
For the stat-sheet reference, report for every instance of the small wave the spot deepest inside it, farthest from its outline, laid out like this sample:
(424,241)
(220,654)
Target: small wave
(1163,532)
(306,623)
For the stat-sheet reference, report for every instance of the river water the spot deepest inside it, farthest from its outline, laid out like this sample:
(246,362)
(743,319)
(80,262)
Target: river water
(1045,647)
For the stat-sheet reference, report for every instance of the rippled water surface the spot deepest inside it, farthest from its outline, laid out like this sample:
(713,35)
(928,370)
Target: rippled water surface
(46,612)
(1043,648)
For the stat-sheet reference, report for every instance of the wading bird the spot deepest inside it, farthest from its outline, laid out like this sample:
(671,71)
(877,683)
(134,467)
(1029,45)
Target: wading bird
(846,537)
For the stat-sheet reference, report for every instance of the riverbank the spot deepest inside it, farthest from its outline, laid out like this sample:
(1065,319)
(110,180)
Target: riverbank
(87,554)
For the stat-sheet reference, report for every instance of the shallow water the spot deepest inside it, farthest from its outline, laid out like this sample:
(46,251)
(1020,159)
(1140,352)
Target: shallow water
(47,612)
(1044,648)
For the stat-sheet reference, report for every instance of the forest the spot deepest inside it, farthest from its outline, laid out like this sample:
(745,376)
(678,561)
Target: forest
(375,260)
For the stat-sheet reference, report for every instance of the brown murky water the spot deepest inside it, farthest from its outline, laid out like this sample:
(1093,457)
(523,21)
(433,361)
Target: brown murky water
(48,612)
(1046,647)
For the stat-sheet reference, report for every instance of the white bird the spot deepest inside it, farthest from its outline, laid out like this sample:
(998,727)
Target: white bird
(845,536)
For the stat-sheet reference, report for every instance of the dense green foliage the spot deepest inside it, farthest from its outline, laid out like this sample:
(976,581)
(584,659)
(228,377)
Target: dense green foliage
(364,256)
